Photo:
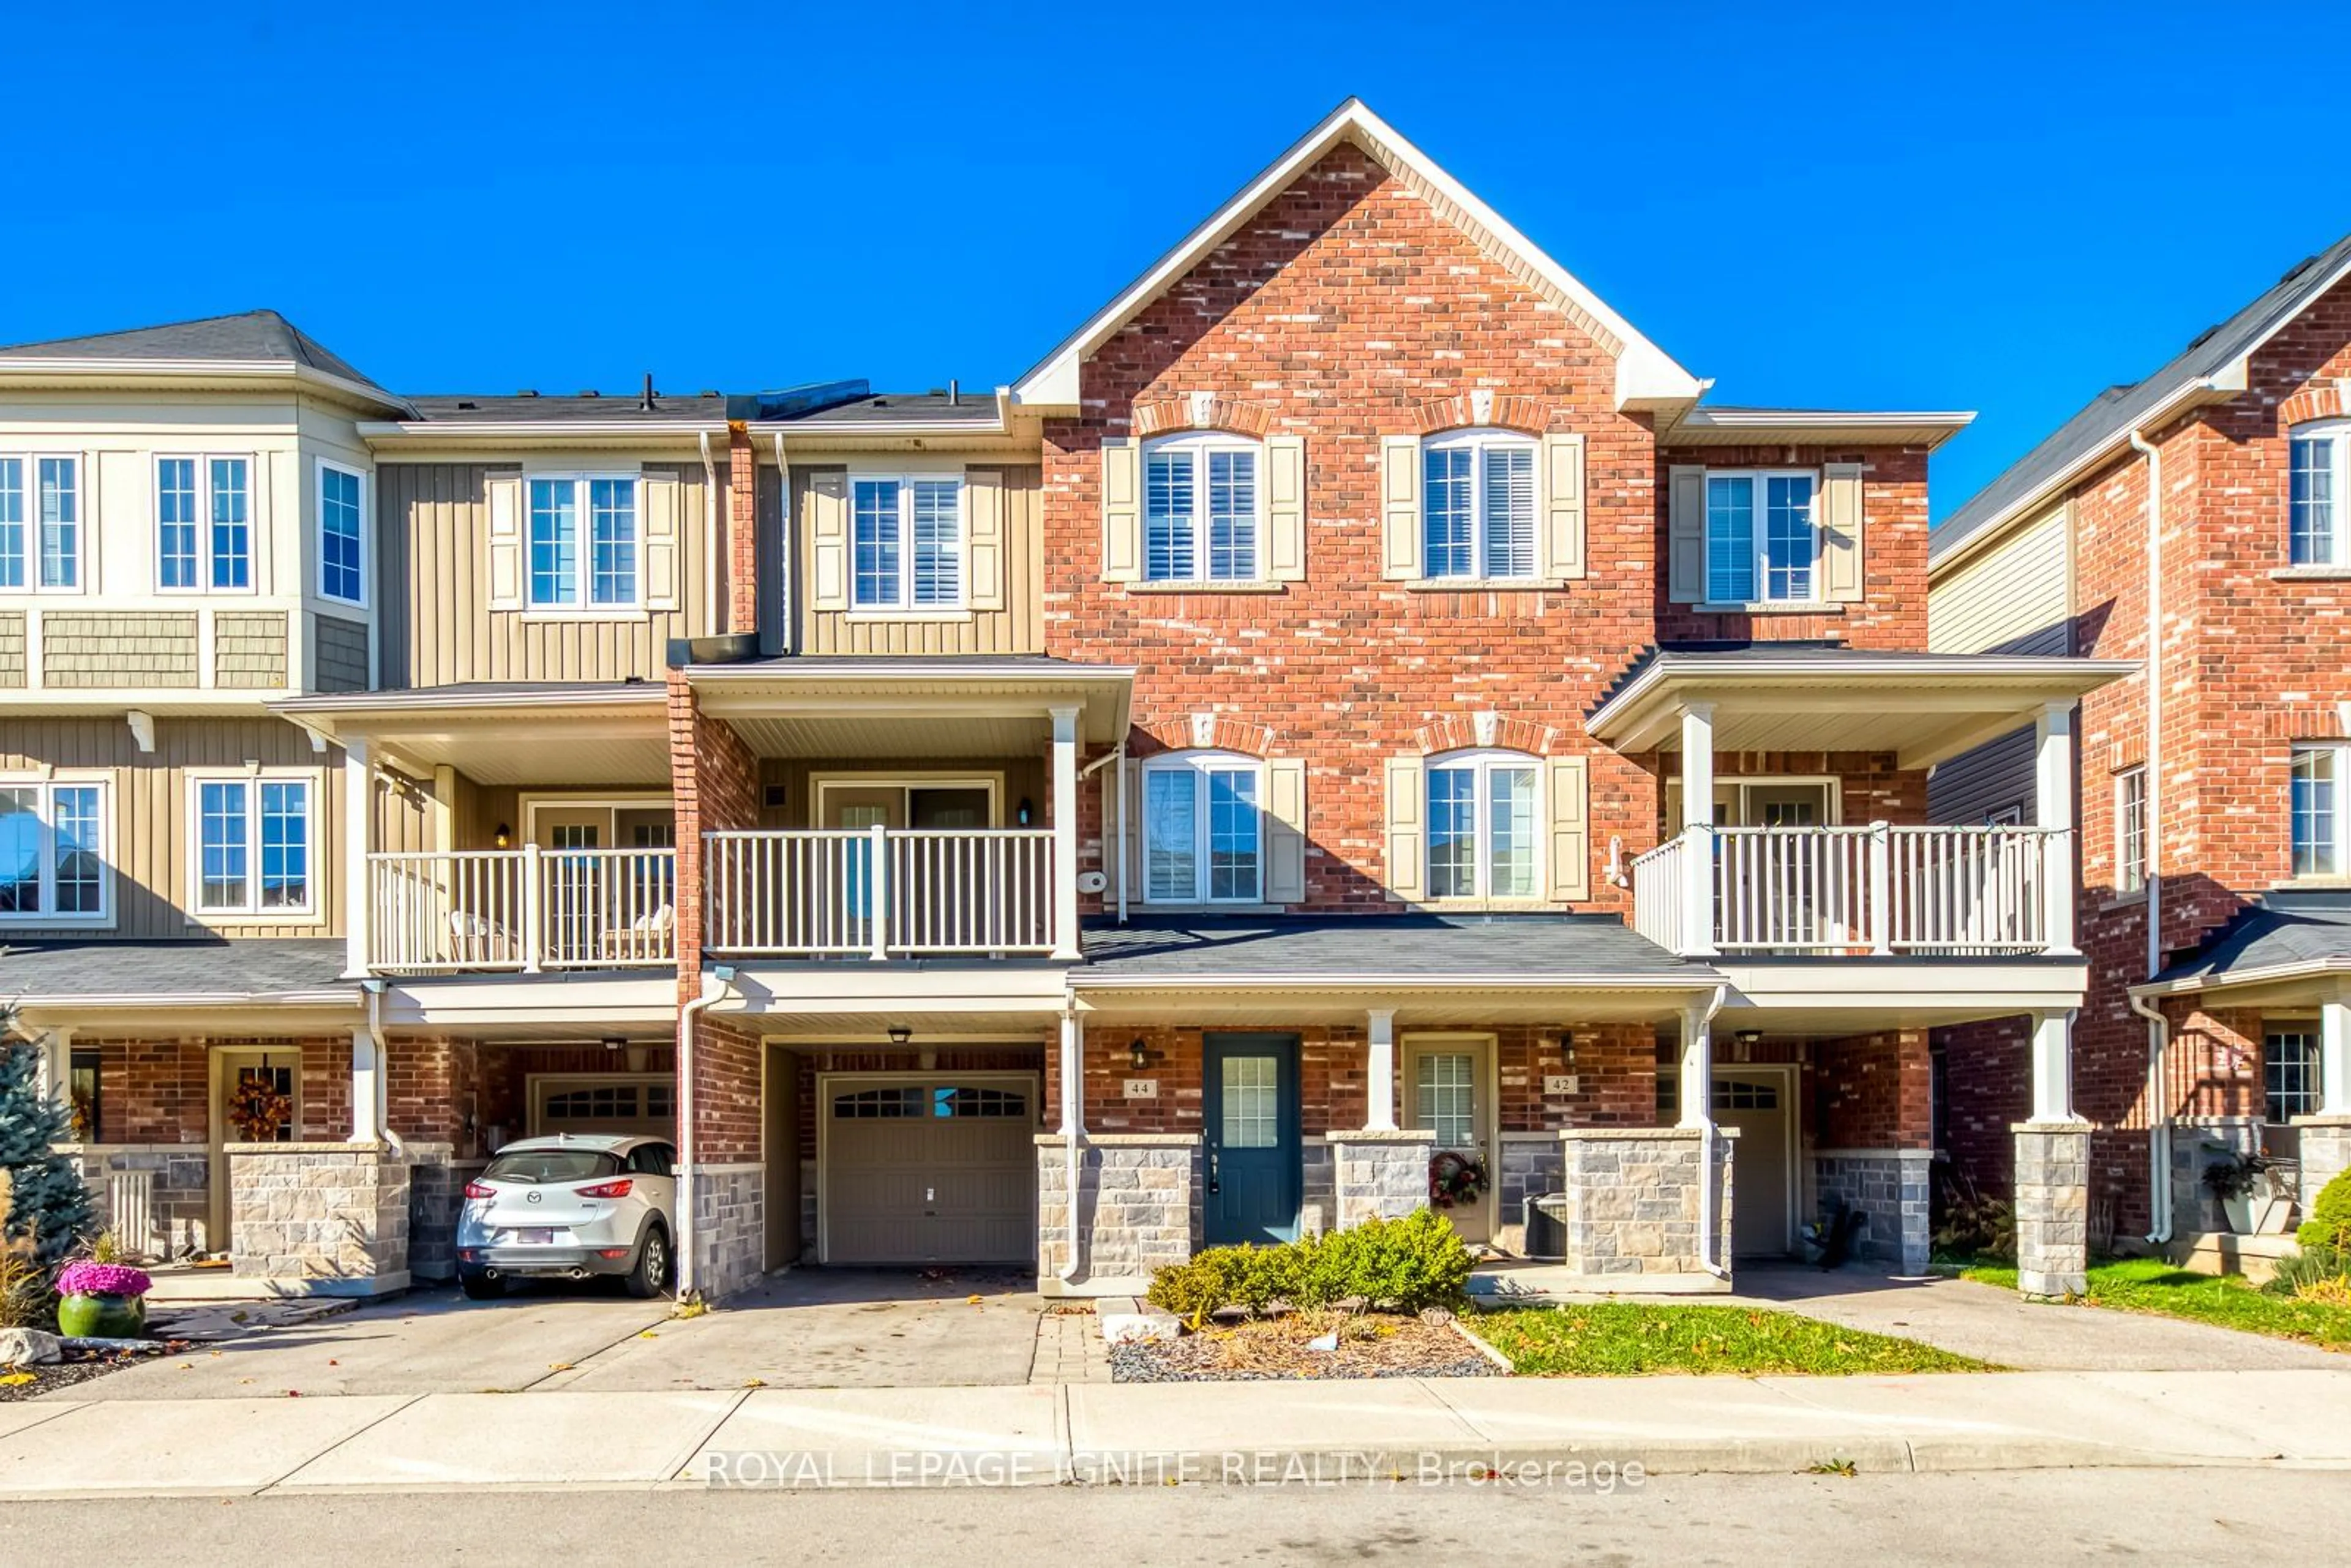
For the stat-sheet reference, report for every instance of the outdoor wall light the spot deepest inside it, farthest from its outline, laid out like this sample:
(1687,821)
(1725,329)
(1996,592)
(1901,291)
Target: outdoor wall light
(614,1043)
(1567,1045)
(1026,811)
(1137,1055)
(502,836)
(900,1034)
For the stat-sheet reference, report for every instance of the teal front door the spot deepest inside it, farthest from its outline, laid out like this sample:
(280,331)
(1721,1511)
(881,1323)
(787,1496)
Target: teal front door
(1249,1104)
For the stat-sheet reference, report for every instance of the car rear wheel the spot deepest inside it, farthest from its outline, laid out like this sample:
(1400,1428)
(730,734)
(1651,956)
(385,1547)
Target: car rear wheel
(479,1286)
(652,1272)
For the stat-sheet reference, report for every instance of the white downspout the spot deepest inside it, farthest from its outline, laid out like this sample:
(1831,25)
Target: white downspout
(1719,1268)
(714,981)
(375,988)
(2158,1029)
(785,542)
(1073,1112)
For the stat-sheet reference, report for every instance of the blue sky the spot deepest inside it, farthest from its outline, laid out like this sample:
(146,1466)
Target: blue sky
(1919,207)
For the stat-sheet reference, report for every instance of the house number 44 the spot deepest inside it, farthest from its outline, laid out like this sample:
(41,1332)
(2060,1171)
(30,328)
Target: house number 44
(1142,1089)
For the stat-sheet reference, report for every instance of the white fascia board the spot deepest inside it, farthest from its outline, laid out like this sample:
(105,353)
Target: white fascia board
(127,1000)
(198,370)
(456,433)
(1644,370)
(1354,981)
(2234,979)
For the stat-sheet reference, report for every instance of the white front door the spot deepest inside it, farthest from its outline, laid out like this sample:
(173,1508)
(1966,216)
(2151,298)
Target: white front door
(1449,1090)
(1756,1103)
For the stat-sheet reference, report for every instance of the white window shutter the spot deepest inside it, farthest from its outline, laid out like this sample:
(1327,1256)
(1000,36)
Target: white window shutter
(1285,831)
(1408,829)
(1133,854)
(1121,491)
(1840,532)
(1568,810)
(1562,519)
(1685,533)
(1400,508)
(827,508)
(1285,508)
(659,495)
(505,497)
(983,524)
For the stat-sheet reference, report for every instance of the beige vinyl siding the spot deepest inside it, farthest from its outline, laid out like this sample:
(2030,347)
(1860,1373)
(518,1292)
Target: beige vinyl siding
(2015,599)
(339,654)
(12,648)
(148,823)
(94,648)
(438,629)
(249,649)
(1018,628)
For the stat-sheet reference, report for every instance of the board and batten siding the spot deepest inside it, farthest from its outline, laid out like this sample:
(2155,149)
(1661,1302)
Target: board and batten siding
(433,545)
(152,848)
(2014,599)
(1018,628)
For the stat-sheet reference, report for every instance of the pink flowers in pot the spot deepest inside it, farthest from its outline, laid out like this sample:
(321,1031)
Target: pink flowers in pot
(85,1279)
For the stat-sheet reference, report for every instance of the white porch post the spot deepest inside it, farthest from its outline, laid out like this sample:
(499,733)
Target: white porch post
(359,817)
(1065,833)
(57,1062)
(2335,1058)
(2052,785)
(367,1088)
(1698,1065)
(1073,1067)
(1698,828)
(1379,1073)
(2052,1067)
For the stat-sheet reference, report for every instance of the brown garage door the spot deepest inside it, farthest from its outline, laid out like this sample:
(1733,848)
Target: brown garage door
(930,1169)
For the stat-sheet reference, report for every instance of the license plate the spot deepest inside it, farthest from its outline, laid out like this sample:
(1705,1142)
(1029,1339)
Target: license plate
(542,1237)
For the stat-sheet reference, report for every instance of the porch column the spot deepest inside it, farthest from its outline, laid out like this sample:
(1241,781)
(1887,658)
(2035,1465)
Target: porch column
(359,815)
(367,1088)
(1065,833)
(2053,785)
(2052,1068)
(1698,1066)
(2335,1058)
(1379,1073)
(1698,828)
(2324,1138)
(57,1062)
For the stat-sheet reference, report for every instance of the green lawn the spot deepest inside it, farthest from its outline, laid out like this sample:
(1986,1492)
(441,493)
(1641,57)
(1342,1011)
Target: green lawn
(1623,1339)
(2152,1285)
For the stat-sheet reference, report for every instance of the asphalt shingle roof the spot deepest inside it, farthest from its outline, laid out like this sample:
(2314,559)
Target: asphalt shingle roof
(621,408)
(1435,946)
(2283,929)
(2107,416)
(241,968)
(253,335)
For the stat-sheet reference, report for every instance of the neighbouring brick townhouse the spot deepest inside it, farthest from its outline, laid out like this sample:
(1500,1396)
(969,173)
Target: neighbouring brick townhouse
(1208,789)
(2195,524)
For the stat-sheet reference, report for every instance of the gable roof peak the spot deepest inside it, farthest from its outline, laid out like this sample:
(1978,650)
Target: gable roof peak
(1645,375)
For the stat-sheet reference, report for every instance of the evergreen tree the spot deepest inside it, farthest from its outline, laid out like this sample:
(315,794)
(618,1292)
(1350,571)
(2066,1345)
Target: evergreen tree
(47,1201)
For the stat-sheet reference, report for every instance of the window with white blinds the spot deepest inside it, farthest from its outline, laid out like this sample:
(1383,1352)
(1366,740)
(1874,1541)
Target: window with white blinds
(1477,505)
(1201,496)
(906,543)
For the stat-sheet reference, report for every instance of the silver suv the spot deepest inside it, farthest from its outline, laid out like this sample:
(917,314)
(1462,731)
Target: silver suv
(570,1207)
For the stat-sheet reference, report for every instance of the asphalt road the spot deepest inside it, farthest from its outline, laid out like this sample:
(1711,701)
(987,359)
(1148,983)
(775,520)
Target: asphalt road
(2183,1516)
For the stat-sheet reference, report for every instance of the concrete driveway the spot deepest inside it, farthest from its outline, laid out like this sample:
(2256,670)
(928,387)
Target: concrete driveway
(809,1329)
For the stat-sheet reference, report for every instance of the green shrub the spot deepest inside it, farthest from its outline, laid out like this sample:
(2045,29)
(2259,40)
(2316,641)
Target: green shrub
(2329,1221)
(1198,1286)
(1407,1264)
(2310,1265)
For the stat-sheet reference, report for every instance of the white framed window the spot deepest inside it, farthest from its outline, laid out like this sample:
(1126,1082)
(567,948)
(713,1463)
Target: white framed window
(906,541)
(342,533)
(2291,1085)
(583,540)
(40,523)
(204,524)
(2316,534)
(1203,508)
(53,852)
(1477,505)
(1483,816)
(1203,829)
(254,836)
(1762,537)
(2130,830)
(2315,805)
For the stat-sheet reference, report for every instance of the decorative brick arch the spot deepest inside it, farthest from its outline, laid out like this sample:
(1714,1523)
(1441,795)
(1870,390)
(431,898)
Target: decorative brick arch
(1484,409)
(2320,399)
(1205,732)
(1479,731)
(1201,411)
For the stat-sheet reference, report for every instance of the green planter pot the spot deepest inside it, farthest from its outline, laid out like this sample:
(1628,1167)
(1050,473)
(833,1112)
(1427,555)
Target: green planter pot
(102,1317)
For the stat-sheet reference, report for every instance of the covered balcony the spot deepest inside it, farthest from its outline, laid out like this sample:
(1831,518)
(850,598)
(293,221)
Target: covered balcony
(1809,911)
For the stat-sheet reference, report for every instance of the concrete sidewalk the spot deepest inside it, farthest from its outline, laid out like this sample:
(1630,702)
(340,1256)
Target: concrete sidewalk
(1154,1433)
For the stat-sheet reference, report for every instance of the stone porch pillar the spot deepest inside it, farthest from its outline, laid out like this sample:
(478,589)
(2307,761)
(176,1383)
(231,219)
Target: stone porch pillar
(1380,1175)
(2326,1137)
(2052,1207)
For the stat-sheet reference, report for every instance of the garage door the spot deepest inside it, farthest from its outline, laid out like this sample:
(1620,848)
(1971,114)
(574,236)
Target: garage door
(605,1103)
(930,1170)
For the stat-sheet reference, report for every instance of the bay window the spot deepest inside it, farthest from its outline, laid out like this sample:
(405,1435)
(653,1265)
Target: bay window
(1477,505)
(342,534)
(203,523)
(53,852)
(1200,512)
(1483,826)
(907,542)
(40,523)
(1763,540)
(1203,837)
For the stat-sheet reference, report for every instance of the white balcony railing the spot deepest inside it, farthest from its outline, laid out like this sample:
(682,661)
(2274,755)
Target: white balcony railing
(527,910)
(1863,890)
(881,893)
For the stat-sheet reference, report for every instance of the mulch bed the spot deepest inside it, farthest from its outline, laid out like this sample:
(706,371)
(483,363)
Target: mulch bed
(1375,1344)
(64,1373)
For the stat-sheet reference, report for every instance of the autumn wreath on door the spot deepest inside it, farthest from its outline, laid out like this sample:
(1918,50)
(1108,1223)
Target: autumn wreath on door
(1456,1179)
(257,1108)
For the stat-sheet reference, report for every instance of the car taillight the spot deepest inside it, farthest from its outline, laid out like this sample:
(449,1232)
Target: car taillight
(605,1189)
(477,1189)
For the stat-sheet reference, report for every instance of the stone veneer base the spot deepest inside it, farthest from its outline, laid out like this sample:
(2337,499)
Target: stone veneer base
(329,1217)
(2325,1152)
(2052,1207)
(730,1229)
(1633,1200)
(1139,1207)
